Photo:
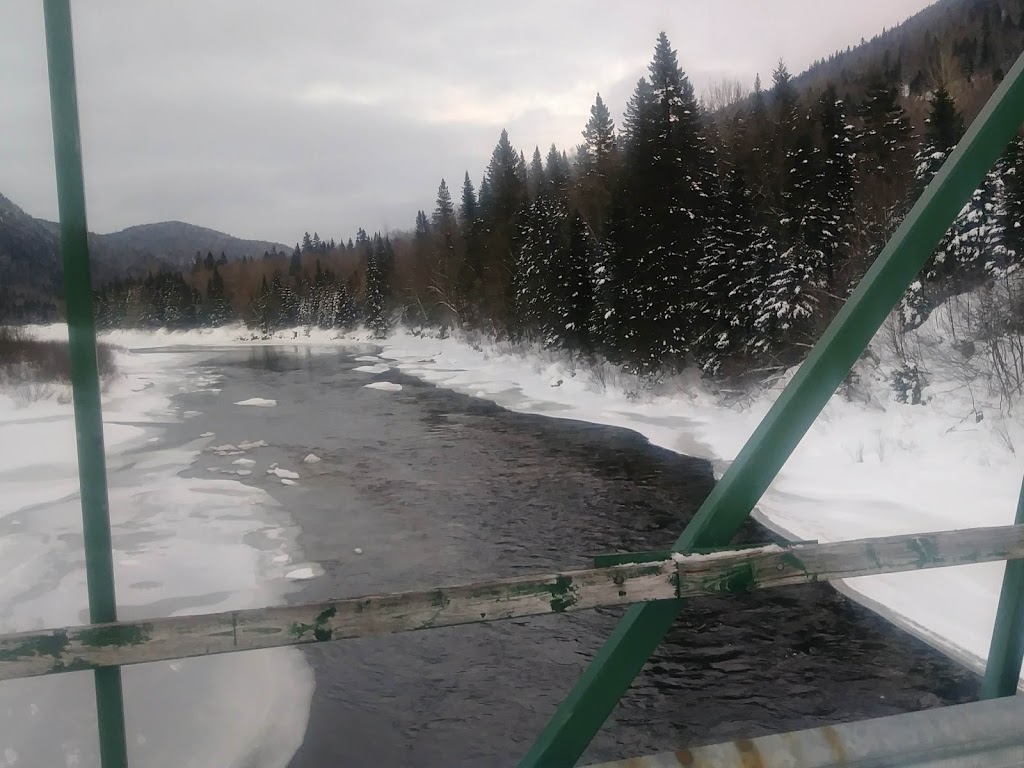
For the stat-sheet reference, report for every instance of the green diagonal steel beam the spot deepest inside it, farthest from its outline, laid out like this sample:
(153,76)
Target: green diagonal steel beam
(1006,650)
(612,671)
(92,472)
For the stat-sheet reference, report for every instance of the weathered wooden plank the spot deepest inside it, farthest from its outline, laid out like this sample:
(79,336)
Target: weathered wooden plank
(775,566)
(61,650)
(66,649)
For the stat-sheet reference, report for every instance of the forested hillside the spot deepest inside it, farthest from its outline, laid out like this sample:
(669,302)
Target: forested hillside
(728,236)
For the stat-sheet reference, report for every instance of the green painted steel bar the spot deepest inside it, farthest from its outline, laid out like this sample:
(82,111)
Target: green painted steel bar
(92,473)
(621,658)
(1006,651)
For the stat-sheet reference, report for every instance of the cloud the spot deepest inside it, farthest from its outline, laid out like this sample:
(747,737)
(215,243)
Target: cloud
(266,119)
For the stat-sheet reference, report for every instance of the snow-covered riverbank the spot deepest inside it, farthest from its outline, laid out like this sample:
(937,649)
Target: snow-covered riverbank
(181,545)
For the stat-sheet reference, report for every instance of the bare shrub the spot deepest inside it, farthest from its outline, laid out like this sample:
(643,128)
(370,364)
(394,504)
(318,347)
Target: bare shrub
(26,360)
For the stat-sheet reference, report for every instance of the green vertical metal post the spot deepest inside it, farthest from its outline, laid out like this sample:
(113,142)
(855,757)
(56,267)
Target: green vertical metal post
(622,657)
(92,472)
(1002,672)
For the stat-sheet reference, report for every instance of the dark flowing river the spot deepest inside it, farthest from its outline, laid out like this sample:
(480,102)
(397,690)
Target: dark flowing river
(436,487)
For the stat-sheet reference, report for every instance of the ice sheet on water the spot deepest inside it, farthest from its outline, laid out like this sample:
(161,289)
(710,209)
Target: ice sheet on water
(385,386)
(186,538)
(260,402)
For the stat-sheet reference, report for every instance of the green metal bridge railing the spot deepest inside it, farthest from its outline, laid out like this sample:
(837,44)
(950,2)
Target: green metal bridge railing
(610,674)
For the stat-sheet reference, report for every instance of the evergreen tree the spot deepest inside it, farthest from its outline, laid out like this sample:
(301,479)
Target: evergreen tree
(422,231)
(471,269)
(1013,207)
(944,127)
(535,175)
(216,309)
(554,296)
(884,168)
(599,162)
(379,263)
(837,188)
(467,210)
(444,279)
(506,193)
(556,173)
(728,289)
(295,265)
(657,224)
(307,242)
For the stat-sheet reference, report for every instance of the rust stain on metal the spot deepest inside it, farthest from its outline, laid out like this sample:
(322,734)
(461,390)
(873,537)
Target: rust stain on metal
(835,743)
(750,757)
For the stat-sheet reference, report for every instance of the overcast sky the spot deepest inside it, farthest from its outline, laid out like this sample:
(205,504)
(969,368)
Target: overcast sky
(264,118)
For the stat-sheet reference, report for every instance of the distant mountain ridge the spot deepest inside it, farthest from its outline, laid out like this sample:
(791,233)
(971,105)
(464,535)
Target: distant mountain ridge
(30,267)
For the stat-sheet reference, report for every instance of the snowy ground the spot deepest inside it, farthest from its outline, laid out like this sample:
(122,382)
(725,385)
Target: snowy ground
(182,545)
(868,467)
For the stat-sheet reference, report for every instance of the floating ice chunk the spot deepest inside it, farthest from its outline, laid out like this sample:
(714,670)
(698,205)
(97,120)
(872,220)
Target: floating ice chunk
(243,462)
(191,414)
(386,386)
(311,459)
(358,550)
(367,359)
(260,402)
(284,473)
(207,434)
(224,448)
(301,573)
(286,481)
(247,445)
(378,368)
(243,472)
(281,558)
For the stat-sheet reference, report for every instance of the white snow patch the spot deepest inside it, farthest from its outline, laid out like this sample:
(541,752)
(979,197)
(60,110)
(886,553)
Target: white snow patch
(385,386)
(311,458)
(260,402)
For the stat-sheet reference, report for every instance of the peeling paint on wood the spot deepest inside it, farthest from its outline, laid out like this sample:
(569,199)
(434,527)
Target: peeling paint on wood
(45,652)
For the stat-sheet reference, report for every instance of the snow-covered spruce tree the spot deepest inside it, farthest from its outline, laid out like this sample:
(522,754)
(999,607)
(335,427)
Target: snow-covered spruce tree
(787,303)
(726,292)
(657,226)
(216,310)
(378,277)
(837,191)
(1012,167)
(554,296)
